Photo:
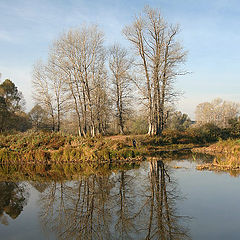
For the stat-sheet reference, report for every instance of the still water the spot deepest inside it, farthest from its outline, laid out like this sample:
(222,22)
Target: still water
(166,199)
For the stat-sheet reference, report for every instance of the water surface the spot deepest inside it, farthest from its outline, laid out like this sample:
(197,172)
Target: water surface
(155,200)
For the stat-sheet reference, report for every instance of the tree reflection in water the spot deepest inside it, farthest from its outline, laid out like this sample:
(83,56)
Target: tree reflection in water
(123,205)
(163,222)
(13,197)
(76,210)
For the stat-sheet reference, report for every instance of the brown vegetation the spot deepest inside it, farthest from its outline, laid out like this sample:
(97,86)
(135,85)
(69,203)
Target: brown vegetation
(59,172)
(49,147)
(227,156)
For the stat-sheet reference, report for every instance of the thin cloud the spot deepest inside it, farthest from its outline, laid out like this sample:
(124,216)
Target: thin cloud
(6,37)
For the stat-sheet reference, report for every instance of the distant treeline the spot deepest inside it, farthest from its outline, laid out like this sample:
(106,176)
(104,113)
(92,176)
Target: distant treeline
(178,128)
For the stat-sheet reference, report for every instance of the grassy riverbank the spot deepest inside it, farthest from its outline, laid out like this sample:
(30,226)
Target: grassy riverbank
(47,147)
(58,148)
(227,155)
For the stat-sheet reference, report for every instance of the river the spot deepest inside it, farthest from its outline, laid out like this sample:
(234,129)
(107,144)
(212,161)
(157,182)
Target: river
(162,198)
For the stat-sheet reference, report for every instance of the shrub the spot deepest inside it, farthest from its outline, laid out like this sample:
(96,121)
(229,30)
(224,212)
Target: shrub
(208,132)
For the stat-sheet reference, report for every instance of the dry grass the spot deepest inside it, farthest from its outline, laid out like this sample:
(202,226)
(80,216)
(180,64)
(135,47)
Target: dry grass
(49,148)
(227,156)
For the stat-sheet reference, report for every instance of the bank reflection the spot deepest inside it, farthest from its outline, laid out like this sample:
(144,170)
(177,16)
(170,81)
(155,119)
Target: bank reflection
(122,205)
(13,198)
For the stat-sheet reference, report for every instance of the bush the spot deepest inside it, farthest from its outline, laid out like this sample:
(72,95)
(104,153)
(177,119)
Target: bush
(234,128)
(172,136)
(208,132)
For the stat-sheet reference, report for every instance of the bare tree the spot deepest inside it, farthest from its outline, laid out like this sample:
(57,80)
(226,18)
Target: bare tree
(120,65)
(42,92)
(50,91)
(79,54)
(75,79)
(100,93)
(159,56)
(59,90)
(218,112)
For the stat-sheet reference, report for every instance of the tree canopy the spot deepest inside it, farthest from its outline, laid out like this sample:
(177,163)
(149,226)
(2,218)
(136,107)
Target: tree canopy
(11,107)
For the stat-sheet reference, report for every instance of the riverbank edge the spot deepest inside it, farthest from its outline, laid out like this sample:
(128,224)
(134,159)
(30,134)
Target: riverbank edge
(227,156)
(58,148)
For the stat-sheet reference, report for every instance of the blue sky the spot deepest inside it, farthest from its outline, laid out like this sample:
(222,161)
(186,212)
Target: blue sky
(210,32)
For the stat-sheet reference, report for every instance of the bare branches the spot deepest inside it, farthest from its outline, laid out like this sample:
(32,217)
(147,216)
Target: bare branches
(76,80)
(159,57)
(218,112)
(75,74)
(120,64)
